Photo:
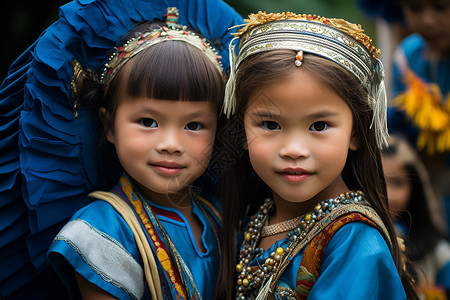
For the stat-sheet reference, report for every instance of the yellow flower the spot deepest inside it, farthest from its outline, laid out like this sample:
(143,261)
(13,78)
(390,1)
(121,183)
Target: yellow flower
(424,105)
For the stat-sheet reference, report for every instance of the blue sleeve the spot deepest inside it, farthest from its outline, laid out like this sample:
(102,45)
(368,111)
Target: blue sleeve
(357,264)
(98,244)
(443,276)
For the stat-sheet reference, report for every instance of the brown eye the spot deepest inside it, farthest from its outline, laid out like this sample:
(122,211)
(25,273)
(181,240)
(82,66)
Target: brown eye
(270,125)
(147,122)
(319,126)
(193,126)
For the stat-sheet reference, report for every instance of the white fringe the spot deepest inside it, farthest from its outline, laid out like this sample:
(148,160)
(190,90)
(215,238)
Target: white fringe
(264,292)
(229,102)
(379,119)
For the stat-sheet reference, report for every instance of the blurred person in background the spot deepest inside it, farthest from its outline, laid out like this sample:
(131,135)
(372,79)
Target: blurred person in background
(418,217)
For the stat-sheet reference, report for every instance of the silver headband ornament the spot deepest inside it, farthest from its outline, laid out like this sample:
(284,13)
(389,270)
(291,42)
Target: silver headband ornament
(171,32)
(334,39)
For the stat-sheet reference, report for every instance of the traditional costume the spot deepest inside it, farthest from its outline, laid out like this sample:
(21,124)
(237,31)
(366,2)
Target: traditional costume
(100,244)
(320,252)
(318,258)
(49,141)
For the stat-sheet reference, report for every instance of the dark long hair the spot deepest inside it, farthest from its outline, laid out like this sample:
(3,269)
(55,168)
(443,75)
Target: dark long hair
(244,191)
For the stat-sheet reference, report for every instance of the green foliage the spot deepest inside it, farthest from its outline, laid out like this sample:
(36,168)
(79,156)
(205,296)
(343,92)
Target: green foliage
(342,9)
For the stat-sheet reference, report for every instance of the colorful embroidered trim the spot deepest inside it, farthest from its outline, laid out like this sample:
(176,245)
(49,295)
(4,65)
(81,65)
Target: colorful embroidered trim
(148,221)
(308,272)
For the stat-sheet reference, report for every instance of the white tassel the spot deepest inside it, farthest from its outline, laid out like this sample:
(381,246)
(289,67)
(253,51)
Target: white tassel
(264,292)
(379,119)
(229,102)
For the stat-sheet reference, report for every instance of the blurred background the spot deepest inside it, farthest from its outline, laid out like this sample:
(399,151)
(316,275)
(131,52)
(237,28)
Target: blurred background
(26,19)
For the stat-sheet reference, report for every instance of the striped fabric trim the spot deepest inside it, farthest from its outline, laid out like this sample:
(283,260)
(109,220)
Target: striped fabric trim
(106,256)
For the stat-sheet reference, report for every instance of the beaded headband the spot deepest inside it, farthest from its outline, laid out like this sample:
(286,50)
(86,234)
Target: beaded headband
(171,32)
(334,39)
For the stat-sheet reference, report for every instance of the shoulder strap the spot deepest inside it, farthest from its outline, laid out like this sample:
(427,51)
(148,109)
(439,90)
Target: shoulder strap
(150,268)
(338,212)
(312,257)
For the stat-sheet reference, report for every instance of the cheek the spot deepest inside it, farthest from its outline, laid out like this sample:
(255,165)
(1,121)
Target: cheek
(130,141)
(201,148)
(333,151)
(261,155)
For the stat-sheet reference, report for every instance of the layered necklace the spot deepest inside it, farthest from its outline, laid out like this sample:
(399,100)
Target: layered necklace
(252,279)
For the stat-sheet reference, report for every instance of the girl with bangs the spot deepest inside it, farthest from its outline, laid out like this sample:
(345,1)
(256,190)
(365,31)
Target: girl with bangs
(152,236)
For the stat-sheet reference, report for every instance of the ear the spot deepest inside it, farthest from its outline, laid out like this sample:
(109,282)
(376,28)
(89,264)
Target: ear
(107,123)
(354,143)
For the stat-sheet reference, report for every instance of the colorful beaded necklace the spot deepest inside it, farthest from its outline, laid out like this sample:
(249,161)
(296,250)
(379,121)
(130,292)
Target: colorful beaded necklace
(249,281)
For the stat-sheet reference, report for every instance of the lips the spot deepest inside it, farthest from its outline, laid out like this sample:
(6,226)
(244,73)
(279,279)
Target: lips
(167,167)
(294,174)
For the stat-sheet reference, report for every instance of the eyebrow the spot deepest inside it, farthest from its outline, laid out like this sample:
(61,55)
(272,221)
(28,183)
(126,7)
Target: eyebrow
(145,111)
(268,114)
(324,114)
(264,114)
(196,114)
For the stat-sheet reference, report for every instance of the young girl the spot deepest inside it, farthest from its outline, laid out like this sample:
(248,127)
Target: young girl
(162,92)
(308,99)
(163,134)
(418,216)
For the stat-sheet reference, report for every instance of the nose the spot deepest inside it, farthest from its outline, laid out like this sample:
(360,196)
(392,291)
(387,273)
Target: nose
(170,142)
(294,146)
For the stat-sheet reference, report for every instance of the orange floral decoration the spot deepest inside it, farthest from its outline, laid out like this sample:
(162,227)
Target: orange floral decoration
(423,103)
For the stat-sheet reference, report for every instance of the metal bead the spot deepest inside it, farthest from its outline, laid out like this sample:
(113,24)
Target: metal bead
(279,251)
(245,282)
(239,268)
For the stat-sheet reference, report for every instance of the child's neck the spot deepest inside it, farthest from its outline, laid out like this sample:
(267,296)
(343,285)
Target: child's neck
(288,211)
(181,201)
(285,210)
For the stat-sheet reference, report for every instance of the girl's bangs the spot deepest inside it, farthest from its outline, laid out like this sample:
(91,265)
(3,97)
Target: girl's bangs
(174,71)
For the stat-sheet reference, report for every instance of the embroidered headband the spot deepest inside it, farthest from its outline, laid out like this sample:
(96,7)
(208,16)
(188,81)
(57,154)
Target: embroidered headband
(171,32)
(335,39)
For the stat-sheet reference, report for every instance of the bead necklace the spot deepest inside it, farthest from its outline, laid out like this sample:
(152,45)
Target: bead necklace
(249,281)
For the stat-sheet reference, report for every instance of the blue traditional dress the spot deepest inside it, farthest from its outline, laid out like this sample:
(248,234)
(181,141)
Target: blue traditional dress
(343,255)
(98,244)
(48,143)
(357,264)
